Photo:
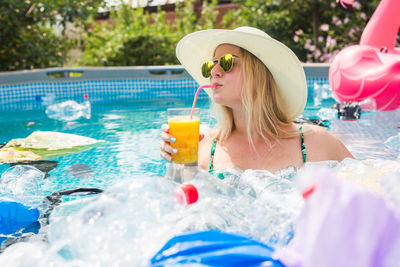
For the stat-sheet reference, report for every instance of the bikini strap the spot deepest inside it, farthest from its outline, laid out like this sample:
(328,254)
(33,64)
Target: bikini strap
(303,147)
(214,143)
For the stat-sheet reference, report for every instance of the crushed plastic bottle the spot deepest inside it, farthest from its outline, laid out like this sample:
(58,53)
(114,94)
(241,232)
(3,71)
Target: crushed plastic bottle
(193,183)
(21,181)
(204,184)
(69,110)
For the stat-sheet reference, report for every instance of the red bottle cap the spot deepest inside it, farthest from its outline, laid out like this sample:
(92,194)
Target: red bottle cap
(306,193)
(186,194)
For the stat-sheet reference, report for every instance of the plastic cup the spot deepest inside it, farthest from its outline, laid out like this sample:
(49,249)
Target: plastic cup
(186,131)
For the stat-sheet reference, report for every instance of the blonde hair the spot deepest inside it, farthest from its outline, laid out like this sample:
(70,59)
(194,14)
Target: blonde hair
(263,105)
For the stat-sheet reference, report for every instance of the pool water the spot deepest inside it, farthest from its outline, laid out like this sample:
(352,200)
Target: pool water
(138,213)
(132,134)
(130,129)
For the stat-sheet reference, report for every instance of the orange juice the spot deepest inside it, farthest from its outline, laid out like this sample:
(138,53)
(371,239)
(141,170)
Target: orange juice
(186,132)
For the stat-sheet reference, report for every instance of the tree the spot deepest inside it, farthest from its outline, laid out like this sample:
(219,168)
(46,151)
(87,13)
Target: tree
(135,37)
(27,33)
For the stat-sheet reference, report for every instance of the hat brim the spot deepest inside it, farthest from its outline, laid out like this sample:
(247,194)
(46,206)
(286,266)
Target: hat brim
(198,47)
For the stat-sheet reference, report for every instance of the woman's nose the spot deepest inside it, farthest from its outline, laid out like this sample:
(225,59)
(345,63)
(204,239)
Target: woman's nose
(216,71)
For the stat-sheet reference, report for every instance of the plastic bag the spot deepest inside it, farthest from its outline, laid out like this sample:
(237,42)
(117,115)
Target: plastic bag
(343,225)
(53,144)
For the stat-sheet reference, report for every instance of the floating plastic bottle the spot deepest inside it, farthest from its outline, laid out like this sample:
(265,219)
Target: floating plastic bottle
(69,110)
(194,183)
(21,181)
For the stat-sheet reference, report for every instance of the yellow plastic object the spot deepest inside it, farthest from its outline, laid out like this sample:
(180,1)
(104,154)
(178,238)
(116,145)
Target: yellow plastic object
(9,155)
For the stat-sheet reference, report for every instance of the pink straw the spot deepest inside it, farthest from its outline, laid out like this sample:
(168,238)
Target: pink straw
(197,94)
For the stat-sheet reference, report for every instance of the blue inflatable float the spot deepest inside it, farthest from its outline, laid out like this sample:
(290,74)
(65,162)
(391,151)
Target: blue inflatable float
(14,215)
(215,248)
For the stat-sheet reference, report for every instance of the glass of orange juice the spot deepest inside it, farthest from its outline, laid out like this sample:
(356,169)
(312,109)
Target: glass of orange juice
(186,131)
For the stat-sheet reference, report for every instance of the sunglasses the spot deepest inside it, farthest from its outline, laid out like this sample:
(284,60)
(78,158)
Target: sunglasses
(225,62)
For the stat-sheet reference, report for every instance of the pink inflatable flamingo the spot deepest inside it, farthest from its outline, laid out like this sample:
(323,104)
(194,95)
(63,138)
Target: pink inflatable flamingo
(371,69)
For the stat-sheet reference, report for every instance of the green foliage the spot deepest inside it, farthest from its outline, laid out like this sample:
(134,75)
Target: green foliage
(27,37)
(144,50)
(135,37)
(314,29)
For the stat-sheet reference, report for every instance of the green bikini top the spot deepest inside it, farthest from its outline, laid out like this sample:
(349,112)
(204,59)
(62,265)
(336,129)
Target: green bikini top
(220,173)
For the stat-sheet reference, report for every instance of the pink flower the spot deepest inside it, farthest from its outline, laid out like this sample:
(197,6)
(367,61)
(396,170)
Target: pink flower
(363,15)
(324,27)
(356,5)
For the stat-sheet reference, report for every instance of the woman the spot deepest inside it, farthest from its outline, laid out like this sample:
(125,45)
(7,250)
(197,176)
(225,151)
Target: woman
(260,88)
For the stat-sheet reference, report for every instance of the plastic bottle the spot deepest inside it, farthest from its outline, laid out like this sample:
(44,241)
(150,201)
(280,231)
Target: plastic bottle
(193,183)
(186,194)
(69,110)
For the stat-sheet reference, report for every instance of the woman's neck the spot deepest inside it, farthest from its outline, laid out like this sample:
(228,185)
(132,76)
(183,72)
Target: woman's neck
(240,127)
(240,121)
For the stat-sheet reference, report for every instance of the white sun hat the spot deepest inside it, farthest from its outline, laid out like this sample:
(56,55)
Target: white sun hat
(198,47)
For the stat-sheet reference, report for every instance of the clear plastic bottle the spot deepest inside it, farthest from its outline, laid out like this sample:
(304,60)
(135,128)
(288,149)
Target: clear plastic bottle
(69,110)
(194,183)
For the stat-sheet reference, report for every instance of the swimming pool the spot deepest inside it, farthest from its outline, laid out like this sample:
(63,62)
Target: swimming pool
(137,214)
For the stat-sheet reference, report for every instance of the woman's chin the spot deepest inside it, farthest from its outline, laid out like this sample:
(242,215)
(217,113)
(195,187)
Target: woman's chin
(218,100)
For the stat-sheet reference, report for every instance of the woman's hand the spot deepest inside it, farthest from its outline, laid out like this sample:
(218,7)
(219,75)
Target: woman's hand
(165,149)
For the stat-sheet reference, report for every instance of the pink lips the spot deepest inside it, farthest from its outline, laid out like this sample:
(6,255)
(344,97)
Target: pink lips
(216,85)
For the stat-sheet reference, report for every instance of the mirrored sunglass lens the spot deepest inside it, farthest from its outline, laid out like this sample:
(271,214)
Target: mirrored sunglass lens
(206,69)
(226,62)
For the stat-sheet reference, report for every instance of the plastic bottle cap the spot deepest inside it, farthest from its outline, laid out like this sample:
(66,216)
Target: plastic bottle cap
(85,96)
(186,194)
(306,193)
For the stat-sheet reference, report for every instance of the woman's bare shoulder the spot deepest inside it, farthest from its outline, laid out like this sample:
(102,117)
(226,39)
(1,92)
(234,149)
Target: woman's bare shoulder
(210,135)
(323,144)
